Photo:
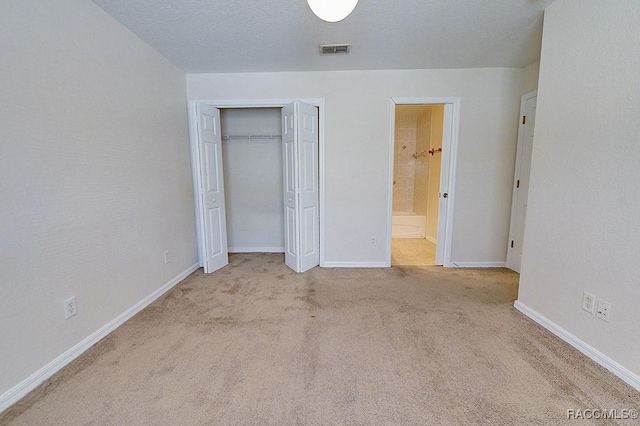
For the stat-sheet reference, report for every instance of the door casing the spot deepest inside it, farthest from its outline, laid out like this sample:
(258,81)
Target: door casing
(251,103)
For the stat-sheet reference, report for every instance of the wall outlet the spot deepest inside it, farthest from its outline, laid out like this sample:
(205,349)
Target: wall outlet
(373,241)
(166,257)
(70,308)
(588,302)
(604,310)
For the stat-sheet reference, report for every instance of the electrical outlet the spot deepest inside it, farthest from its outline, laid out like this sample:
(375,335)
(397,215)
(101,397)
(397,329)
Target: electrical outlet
(166,257)
(373,241)
(70,308)
(588,302)
(604,310)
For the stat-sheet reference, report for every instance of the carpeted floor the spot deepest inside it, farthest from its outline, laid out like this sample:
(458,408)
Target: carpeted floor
(258,344)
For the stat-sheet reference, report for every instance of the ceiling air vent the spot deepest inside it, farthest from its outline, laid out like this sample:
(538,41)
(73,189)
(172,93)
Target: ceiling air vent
(333,49)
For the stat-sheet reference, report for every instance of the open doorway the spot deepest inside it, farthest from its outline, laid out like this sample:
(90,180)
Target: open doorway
(252,170)
(421,180)
(419,131)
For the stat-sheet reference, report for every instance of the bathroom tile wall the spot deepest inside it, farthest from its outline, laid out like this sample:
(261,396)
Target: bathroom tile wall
(404,163)
(421,176)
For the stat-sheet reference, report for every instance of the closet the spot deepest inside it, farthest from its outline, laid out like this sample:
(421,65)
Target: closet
(253,178)
(256,176)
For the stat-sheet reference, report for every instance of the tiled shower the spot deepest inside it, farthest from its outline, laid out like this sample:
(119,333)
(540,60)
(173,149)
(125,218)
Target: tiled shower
(411,159)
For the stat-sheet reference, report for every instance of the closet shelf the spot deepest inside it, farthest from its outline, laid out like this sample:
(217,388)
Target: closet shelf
(227,137)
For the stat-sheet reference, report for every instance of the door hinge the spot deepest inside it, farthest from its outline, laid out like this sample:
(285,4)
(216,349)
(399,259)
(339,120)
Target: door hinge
(524,119)
(511,243)
(518,183)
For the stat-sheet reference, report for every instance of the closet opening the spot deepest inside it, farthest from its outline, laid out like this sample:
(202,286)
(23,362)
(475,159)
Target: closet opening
(253,179)
(257,169)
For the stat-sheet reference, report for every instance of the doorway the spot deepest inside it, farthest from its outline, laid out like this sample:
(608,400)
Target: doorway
(421,180)
(300,180)
(419,130)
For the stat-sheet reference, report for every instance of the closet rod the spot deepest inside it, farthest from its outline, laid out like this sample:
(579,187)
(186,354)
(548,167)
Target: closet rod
(227,137)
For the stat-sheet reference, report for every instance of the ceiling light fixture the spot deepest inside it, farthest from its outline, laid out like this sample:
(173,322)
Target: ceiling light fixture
(332,10)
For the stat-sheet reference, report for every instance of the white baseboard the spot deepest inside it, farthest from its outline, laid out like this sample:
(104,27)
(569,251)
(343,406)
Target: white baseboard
(478,264)
(354,265)
(623,373)
(256,249)
(431,239)
(16,393)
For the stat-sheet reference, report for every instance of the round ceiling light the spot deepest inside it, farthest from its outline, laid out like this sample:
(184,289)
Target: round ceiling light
(332,10)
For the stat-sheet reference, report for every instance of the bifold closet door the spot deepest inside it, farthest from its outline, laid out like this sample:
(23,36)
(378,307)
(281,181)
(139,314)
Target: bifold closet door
(211,184)
(301,196)
(521,180)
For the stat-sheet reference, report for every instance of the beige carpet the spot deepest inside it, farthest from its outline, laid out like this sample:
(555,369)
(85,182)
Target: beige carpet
(257,344)
(412,252)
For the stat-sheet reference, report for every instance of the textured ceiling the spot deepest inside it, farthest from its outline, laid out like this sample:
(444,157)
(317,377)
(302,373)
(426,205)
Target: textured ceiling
(283,35)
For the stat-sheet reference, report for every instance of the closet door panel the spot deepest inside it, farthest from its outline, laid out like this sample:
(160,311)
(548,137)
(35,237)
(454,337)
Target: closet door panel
(300,154)
(212,188)
(307,141)
(289,152)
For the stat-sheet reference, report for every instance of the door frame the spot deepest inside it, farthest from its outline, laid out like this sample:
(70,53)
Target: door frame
(448,172)
(516,174)
(250,103)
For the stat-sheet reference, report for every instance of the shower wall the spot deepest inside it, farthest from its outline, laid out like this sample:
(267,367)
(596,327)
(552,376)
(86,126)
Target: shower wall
(404,163)
(421,177)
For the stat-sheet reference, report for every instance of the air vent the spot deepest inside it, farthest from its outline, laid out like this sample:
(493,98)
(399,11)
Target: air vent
(334,49)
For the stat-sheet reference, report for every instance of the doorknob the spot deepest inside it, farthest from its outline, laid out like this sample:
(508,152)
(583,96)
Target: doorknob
(445,195)
(214,200)
(290,200)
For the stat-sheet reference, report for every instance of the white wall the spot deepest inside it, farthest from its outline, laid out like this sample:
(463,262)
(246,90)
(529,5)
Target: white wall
(582,228)
(95,177)
(530,78)
(253,179)
(357,148)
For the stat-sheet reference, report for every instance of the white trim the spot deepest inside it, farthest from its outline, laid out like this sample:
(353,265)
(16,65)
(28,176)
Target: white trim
(516,174)
(256,249)
(392,152)
(356,265)
(259,103)
(623,373)
(17,392)
(478,264)
(431,239)
(449,168)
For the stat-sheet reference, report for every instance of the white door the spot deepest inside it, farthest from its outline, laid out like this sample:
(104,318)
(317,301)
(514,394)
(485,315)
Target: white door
(301,195)
(443,199)
(521,181)
(214,232)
